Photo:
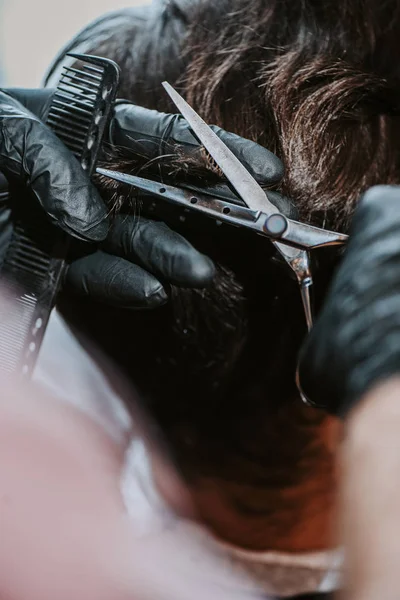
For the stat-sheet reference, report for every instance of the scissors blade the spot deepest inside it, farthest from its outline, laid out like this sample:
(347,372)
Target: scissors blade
(119,176)
(296,258)
(245,185)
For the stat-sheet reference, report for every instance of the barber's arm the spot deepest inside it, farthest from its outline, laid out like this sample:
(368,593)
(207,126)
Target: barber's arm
(351,364)
(135,258)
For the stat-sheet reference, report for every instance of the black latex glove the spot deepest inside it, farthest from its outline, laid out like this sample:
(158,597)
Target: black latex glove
(356,340)
(139,256)
(32,154)
(153,133)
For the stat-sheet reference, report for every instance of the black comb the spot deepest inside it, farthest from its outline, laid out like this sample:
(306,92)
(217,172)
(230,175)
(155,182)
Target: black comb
(33,267)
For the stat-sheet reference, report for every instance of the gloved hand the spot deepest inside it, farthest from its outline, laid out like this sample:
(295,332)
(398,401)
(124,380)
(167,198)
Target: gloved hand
(152,133)
(136,257)
(32,154)
(356,340)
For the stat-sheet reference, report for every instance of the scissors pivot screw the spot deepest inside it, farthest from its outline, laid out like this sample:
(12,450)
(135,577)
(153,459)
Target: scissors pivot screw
(276,225)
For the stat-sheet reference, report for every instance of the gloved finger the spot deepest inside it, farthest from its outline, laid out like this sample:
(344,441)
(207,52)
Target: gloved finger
(37,101)
(284,204)
(31,153)
(115,281)
(159,250)
(355,335)
(151,133)
(265,167)
(3,184)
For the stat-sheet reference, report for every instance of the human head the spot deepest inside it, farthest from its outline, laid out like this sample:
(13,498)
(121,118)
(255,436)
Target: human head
(314,82)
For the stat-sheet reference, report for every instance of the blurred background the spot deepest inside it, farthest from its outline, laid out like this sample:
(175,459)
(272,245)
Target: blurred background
(32,32)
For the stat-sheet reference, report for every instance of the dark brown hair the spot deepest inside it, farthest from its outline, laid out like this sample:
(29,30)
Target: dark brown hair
(317,83)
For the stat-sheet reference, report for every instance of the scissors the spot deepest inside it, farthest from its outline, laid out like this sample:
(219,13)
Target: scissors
(292,239)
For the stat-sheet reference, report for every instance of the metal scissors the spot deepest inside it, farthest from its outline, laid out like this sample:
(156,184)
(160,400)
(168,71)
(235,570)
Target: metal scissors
(292,239)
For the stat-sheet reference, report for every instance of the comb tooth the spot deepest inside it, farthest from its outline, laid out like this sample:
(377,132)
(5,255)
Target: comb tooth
(73,96)
(89,77)
(26,255)
(32,265)
(77,129)
(73,146)
(74,143)
(76,116)
(85,74)
(98,61)
(91,68)
(58,121)
(63,112)
(24,250)
(76,91)
(78,109)
(71,138)
(29,261)
(31,250)
(87,104)
(72,134)
(75,78)
(79,86)
(80,93)
(81,71)
(25,237)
